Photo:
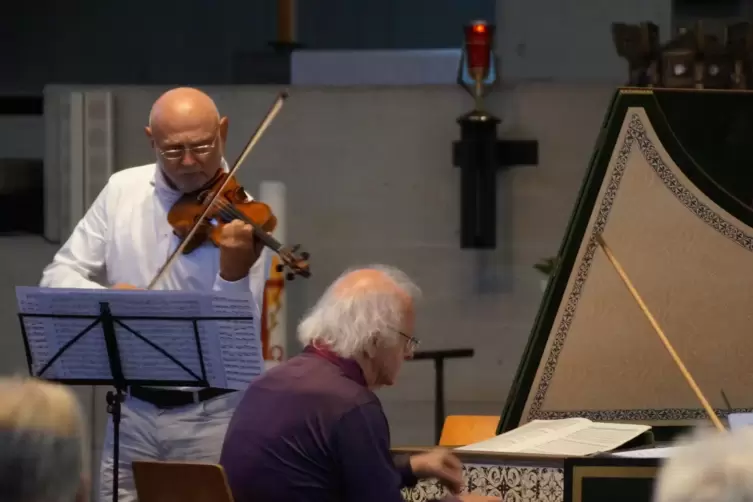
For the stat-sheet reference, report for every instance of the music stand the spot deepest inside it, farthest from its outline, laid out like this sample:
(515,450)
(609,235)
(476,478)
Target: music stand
(119,380)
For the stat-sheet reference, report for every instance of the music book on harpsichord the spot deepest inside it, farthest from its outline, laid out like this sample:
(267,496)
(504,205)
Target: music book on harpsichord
(571,437)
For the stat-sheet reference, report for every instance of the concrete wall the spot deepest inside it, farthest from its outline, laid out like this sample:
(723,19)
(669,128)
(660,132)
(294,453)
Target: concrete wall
(569,40)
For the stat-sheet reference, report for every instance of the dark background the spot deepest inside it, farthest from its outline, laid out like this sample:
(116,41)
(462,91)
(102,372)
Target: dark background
(204,42)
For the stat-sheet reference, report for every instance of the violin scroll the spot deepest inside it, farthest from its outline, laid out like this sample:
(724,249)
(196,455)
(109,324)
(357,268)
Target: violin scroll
(297,263)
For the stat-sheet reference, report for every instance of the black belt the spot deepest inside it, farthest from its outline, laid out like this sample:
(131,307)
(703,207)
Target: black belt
(170,398)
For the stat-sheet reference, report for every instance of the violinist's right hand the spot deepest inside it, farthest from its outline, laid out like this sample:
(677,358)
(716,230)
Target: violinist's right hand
(122,285)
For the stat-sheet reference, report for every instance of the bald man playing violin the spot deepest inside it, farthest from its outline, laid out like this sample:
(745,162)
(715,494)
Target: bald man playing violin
(122,242)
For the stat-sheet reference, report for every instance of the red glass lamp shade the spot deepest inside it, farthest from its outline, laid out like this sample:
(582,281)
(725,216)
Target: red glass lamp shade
(478,48)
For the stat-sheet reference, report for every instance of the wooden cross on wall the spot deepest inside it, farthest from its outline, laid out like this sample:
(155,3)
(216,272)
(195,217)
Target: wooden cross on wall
(480,155)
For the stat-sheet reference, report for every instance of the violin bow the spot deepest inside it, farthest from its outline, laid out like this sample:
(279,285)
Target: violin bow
(260,129)
(685,373)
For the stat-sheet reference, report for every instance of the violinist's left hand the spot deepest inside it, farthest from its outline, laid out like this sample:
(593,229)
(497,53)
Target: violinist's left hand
(239,250)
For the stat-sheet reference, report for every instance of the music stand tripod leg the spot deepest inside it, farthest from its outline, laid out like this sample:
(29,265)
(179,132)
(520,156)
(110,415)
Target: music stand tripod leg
(114,399)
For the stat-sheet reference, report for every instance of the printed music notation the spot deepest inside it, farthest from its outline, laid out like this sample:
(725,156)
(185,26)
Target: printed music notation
(240,342)
(231,349)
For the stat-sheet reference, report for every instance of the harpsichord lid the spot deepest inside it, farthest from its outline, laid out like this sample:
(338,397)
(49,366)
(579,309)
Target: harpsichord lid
(670,186)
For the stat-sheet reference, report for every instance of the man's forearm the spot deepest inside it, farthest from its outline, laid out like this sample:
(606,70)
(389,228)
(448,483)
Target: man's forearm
(60,275)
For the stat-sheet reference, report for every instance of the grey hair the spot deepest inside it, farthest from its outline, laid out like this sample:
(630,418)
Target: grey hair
(42,447)
(347,323)
(709,466)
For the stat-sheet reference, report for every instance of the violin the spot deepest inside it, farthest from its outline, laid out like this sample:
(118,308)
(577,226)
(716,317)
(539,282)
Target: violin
(231,204)
(200,216)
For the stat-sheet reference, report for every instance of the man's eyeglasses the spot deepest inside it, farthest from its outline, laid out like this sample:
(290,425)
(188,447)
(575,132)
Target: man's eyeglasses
(413,342)
(196,150)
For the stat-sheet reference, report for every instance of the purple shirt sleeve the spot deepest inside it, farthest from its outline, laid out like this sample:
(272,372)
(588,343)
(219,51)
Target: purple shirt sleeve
(407,478)
(369,474)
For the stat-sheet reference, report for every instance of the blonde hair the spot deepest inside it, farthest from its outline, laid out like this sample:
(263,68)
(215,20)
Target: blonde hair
(709,466)
(42,442)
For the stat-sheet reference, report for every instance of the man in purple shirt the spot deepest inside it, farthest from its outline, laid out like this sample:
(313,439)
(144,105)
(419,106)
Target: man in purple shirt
(311,429)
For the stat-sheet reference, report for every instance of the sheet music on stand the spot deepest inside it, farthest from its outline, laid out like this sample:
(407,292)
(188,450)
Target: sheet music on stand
(209,334)
(139,337)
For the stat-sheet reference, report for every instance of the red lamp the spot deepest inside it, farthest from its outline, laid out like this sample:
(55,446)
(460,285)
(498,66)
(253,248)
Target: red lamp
(478,47)
(478,57)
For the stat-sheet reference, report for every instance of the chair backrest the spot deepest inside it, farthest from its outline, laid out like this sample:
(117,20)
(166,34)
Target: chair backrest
(180,482)
(462,430)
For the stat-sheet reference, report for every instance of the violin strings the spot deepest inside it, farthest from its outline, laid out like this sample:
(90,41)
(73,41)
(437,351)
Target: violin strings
(228,209)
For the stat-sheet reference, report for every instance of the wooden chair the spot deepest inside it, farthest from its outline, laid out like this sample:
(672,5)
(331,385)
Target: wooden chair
(461,430)
(180,482)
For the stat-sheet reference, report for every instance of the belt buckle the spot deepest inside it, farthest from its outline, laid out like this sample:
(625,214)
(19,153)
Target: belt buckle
(195,394)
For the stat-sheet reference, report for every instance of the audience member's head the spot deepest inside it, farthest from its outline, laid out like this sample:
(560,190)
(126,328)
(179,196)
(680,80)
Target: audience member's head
(711,466)
(42,444)
(367,315)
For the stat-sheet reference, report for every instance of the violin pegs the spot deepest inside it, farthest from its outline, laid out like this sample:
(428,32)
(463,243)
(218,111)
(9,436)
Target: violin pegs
(305,255)
(290,276)
(280,267)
